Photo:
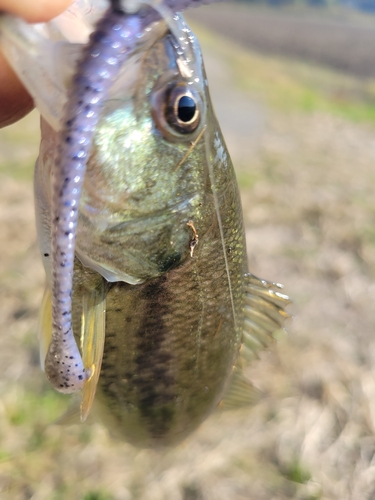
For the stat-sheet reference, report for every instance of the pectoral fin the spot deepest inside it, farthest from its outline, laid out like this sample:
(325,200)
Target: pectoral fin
(92,342)
(45,325)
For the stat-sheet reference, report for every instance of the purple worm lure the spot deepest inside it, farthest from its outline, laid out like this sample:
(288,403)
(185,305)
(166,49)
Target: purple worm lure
(114,38)
(115,34)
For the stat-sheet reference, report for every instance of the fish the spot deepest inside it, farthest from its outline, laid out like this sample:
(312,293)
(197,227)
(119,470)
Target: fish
(149,309)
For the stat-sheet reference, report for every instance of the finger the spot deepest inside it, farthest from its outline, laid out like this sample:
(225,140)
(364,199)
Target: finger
(15,100)
(35,11)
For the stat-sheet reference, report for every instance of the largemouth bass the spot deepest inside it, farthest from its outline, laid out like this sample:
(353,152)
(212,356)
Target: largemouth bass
(139,222)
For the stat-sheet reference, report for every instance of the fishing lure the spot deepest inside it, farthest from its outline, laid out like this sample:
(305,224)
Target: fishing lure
(132,168)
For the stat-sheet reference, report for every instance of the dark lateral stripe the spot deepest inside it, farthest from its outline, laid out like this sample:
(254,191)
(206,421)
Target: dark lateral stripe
(154,382)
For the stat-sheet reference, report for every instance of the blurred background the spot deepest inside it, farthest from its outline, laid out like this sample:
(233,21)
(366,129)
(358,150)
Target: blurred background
(293,84)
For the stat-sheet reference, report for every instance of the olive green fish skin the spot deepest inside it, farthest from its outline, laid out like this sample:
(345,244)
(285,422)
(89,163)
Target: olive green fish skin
(173,321)
(171,343)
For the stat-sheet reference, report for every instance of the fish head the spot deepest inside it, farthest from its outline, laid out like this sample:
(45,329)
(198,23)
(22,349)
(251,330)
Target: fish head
(146,175)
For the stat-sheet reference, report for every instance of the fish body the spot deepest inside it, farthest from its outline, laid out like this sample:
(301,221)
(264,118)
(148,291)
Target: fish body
(173,324)
(160,276)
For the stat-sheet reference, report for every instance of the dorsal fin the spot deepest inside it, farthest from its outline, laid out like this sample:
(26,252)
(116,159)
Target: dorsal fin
(264,315)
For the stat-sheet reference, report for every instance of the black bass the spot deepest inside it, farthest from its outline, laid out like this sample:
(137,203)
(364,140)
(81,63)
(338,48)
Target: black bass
(139,224)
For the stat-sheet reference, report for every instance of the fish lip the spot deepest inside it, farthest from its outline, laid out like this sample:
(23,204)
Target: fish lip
(162,212)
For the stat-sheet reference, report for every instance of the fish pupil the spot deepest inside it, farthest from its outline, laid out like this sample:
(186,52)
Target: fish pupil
(176,109)
(186,109)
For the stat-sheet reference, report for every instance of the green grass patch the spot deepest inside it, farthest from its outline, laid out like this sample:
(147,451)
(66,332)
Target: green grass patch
(31,408)
(297,473)
(97,495)
(19,145)
(19,170)
(247,179)
(368,234)
(4,456)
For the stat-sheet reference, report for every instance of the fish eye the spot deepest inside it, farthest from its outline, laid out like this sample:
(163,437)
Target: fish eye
(177,110)
(181,111)
(186,109)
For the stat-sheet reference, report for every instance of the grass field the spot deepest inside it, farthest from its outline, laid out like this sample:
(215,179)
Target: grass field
(305,162)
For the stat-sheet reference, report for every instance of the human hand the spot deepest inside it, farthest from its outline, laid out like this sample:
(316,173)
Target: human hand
(15,102)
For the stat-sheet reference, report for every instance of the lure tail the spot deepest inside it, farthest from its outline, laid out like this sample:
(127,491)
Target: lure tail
(115,35)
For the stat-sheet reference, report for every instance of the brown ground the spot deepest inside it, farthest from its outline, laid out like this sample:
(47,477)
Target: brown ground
(307,184)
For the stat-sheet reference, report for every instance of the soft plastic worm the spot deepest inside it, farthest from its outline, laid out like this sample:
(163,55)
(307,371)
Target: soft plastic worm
(114,37)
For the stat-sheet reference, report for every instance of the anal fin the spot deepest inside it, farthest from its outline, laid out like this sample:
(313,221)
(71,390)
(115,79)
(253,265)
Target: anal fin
(240,392)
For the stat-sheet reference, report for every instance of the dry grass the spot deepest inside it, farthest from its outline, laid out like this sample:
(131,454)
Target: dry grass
(307,178)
